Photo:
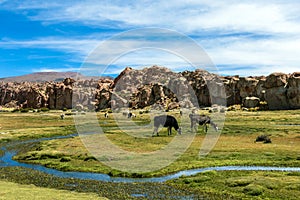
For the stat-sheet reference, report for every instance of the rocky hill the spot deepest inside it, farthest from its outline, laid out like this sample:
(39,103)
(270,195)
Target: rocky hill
(157,87)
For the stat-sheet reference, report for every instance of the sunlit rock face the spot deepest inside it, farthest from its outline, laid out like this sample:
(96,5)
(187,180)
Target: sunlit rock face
(276,91)
(293,92)
(157,87)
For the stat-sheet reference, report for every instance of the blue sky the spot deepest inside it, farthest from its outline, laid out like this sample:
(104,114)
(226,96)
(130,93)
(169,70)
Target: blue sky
(240,37)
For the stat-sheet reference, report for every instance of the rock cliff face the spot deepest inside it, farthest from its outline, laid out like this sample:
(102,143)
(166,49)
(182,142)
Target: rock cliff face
(279,90)
(158,87)
(23,95)
(293,92)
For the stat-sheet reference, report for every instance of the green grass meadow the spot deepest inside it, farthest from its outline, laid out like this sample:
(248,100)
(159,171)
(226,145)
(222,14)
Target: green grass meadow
(9,190)
(235,146)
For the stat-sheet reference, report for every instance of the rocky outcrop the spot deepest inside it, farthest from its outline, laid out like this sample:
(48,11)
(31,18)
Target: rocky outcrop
(205,86)
(157,87)
(251,102)
(276,91)
(59,95)
(293,92)
(23,95)
(92,95)
(247,87)
(231,88)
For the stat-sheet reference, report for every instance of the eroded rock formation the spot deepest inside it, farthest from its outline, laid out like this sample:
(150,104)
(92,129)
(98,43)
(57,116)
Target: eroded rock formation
(158,87)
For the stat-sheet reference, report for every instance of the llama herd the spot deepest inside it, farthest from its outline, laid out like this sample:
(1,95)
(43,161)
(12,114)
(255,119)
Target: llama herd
(171,122)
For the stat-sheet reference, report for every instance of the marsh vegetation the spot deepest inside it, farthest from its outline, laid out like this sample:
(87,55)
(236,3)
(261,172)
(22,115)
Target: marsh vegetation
(236,146)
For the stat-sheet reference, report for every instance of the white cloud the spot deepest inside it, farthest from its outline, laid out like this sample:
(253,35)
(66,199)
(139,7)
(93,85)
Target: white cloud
(245,17)
(189,17)
(265,55)
(65,69)
(80,46)
(261,34)
(282,52)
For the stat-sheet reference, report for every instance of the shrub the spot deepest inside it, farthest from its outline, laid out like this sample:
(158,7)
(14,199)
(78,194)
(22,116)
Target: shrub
(44,109)
(234,107)
(253,109)
(263,138)
(24,110)
(209,172)
(49,156)
(263,105)
(70,113)
(65,159)
(238,183)
(90,158)
(254,190)
(64,109)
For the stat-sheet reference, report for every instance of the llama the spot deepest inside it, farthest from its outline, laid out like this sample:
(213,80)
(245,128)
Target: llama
(166,121)
(202,120)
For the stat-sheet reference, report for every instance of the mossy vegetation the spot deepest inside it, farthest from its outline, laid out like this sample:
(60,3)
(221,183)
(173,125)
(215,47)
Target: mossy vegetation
(11,190)
(235,146)
(244,185)
(83,188)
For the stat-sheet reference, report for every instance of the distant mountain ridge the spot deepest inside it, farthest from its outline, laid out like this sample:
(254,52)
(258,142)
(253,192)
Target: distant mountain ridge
(48,76)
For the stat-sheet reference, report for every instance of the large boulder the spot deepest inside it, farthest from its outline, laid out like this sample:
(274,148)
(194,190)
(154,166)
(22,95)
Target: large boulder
(103,99)
(293,92)
(232,92)
(173,105)
(157,93)
(276,91)
(60,94)
(121,75)
(247,86)
(144,96)
(251,102)
(25,94)
(35,98)
(68,81)
(198,81)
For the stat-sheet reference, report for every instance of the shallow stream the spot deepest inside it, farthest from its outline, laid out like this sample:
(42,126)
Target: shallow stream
(6,161)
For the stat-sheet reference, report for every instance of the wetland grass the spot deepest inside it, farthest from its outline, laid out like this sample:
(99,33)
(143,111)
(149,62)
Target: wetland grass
(232,148)
(244,184)
(11,190)
(235,146)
